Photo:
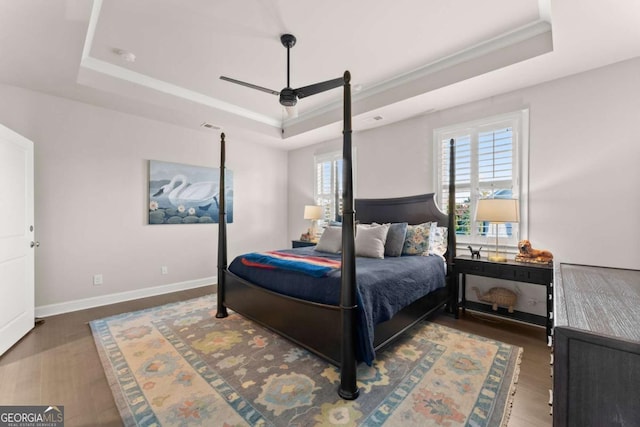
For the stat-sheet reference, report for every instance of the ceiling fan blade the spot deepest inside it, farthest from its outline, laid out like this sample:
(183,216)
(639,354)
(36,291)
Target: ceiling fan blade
(252,86)
(319,87)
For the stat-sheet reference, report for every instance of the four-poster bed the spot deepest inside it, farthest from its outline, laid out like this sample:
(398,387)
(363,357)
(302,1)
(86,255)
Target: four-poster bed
(334,330)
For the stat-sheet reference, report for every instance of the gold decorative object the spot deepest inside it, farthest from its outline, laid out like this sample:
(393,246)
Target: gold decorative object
(498,297)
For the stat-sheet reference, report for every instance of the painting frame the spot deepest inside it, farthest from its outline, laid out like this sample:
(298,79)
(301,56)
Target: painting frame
(186,194)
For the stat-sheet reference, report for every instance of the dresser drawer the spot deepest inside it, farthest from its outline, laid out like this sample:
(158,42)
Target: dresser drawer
(525,274)
(480,268)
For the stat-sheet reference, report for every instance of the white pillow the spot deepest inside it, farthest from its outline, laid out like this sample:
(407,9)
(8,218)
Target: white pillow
(370,240)
(330,240)
(437,240)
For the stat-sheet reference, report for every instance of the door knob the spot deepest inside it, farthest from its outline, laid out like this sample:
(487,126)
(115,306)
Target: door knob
(36,244)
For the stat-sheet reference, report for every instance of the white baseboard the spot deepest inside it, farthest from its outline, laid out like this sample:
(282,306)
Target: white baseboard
(81,304)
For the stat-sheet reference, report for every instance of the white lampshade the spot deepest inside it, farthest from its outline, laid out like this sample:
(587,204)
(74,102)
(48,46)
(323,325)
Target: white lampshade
(498,210)
(312,212)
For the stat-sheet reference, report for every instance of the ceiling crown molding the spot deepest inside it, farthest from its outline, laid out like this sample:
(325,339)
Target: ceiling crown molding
(514,46)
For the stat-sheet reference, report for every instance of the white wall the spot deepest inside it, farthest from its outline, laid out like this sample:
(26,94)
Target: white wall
(584,163)
(91,190)
(91,185)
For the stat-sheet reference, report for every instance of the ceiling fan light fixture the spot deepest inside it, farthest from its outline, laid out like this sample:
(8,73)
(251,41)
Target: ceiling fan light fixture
(292,112)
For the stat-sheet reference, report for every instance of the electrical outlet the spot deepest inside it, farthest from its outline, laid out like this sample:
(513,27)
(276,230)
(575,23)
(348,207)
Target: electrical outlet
(97,279)
(164,269)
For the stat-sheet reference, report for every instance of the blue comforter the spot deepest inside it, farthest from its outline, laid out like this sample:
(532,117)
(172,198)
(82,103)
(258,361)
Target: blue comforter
(384,287)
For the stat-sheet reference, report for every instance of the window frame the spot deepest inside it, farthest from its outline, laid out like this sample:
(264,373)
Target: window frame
(519,122)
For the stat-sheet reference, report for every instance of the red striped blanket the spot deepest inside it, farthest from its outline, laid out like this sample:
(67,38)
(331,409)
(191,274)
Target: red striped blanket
(311,265)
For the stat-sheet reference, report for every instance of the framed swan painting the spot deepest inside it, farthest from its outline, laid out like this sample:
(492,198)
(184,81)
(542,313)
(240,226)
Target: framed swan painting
(186,194)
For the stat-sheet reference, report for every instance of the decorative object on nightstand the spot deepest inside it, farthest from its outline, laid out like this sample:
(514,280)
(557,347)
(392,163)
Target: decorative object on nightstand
(313,213)
(527,254)
(497,211)
(475,253)
(498,297)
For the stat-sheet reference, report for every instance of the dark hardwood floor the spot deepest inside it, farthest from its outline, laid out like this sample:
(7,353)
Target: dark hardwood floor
(57,364)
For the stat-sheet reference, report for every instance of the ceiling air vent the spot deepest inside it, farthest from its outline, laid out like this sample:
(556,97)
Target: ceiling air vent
(210,126)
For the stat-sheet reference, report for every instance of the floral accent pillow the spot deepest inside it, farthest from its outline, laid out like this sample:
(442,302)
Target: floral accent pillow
(437,240)
(416,241)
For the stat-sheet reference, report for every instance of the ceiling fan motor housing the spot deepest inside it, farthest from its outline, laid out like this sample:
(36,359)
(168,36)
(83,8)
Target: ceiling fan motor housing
(288,97)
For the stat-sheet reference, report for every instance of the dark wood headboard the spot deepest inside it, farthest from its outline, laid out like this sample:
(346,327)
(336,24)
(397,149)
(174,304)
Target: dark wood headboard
(411,209)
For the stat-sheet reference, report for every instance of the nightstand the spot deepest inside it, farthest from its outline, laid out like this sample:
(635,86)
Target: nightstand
(535,274)
(302,243)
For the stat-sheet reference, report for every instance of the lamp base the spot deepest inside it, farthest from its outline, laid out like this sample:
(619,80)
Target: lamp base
(497,258)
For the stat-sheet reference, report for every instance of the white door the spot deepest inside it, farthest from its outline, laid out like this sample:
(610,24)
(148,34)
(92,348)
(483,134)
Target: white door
(17,272)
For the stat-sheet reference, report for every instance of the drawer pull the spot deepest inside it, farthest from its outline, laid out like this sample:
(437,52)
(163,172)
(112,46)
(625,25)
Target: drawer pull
(549,342)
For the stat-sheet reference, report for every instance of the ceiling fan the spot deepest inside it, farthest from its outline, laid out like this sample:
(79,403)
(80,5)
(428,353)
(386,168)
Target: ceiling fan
(288,96)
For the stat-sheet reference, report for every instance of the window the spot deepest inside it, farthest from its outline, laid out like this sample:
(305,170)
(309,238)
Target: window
(328,188)
(490,162)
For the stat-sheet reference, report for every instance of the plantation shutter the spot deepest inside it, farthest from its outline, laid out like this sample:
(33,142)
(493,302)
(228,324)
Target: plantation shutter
(486,167)
(329,186)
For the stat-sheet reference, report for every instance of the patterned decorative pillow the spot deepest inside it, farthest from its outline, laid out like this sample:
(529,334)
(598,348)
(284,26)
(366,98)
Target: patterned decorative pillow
(437,240)
(331,240)
(416,241)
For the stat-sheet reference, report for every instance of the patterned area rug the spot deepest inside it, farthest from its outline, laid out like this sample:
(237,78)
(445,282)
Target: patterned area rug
(177,365)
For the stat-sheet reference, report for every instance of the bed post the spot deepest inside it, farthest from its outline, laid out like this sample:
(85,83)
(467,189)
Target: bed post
(451,226)
(222,235)
(348,387)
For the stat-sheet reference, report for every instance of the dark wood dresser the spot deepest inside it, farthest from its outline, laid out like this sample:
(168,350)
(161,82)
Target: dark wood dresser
(596,346)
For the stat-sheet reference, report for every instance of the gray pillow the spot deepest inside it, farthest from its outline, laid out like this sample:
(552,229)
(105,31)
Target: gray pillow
(395,239)
(370,240)
(331,240)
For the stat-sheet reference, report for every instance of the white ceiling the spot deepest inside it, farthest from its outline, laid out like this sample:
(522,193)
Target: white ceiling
(406,57)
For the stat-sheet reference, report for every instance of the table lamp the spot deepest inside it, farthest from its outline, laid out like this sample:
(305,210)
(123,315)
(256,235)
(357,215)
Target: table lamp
(497,211)
(313,213)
